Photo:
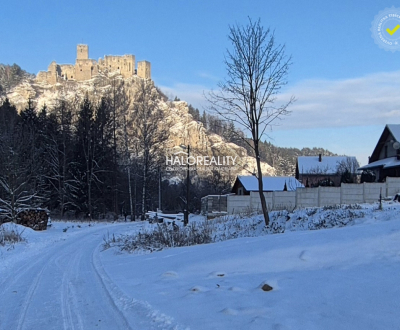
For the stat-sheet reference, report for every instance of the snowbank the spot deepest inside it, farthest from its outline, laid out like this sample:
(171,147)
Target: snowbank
(341,278)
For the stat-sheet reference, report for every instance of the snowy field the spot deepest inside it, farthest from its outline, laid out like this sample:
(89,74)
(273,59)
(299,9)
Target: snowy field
(345,277)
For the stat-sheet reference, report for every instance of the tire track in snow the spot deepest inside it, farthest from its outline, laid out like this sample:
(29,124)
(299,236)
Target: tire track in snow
(74,288)
(142,313)
(17,276)
(28,297)
(21,271)
(107,292)
(67,295)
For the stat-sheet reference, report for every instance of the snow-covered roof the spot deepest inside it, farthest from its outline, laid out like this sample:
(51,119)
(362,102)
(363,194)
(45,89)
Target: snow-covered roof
(384,163)
(270,183)
(395,130)
(327,165)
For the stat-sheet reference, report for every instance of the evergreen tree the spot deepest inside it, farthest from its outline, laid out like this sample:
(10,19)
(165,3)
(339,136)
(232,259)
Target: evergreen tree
(85,165)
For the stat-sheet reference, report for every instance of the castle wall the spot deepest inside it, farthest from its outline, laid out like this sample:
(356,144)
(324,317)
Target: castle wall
(44,76)
(85,68)
(125,64)
(67,71)
(53,72)
(144,69)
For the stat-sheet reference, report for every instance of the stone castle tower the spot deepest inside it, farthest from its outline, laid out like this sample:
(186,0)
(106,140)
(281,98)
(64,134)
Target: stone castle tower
(86,68)
(82,52)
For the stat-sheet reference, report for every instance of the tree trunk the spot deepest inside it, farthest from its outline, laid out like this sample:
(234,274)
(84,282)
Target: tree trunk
(144,191)
(261,187)
(130,193)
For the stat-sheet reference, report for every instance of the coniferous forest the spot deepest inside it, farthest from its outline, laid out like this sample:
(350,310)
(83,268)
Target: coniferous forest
(80,161)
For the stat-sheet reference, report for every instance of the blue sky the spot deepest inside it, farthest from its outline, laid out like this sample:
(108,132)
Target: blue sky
(346,86)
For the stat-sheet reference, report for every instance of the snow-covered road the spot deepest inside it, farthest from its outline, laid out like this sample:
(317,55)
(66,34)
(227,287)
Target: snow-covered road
(340,278)
(61,287)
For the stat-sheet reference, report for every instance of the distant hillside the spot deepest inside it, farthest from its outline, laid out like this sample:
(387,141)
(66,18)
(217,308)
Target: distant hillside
(11,76)
(282,159)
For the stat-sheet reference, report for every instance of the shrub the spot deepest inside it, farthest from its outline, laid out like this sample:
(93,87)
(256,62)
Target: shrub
(10,235)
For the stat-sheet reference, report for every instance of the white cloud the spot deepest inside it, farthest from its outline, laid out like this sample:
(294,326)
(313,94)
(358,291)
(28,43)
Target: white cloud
(369,100)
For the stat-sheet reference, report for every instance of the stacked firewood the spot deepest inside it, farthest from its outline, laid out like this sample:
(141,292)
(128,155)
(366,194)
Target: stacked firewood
(35,219)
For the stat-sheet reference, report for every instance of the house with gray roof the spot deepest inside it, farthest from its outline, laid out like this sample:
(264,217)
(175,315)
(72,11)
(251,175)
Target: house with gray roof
(244,184)
(314,171)
(385,159)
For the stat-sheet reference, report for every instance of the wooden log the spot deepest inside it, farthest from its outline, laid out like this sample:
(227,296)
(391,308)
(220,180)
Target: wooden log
(35,218)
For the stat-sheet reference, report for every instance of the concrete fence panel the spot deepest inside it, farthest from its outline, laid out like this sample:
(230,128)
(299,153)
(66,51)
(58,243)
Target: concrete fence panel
(328,196)
(373,190)
(256,202)
(307,197)
(238,203)
(352,193)
(392,186)
(284,200)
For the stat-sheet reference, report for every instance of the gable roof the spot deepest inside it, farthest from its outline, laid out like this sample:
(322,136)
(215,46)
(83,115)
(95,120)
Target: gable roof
(395,130)
(270,183)
(384,163)
(392,129)
(327,165)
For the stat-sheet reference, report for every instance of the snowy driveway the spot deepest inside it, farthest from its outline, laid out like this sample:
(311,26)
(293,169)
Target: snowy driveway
(61,288)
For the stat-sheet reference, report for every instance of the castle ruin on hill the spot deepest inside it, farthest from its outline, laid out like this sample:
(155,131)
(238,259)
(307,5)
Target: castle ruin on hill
(86,68)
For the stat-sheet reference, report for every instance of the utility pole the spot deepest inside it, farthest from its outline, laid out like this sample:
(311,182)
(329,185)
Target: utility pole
(186,213)
(159,189)
(186,219)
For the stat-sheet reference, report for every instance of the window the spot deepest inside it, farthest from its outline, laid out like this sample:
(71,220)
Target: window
(72,77)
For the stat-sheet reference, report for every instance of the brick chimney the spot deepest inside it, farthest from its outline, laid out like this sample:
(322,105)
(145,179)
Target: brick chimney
(320,157)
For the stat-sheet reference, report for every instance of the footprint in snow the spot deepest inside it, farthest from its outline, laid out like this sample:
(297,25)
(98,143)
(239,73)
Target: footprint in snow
(303,256)
(236,289)
(198,288)
(230,311)
(170,273)
(217,274)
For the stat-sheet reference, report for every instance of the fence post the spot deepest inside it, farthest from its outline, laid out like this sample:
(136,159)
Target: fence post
(387,187)
(273,200)
(341,194)
(364,199)
(319,196)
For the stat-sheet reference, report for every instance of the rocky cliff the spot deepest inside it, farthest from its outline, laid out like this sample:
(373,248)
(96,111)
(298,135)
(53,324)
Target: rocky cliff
(183,128)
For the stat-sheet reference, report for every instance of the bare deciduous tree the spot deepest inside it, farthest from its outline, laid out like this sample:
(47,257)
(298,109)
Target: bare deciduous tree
(256,70)
(149,131)
(348,169)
